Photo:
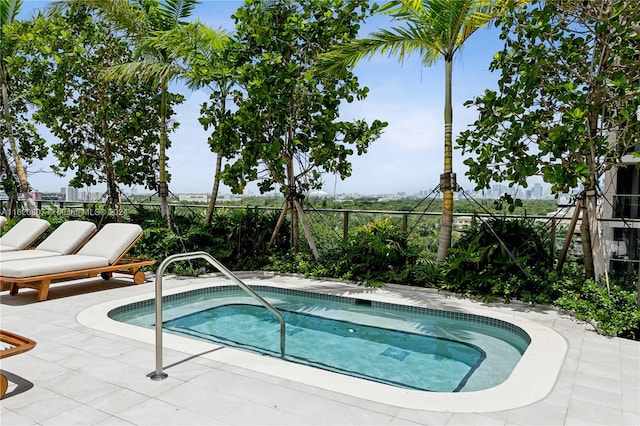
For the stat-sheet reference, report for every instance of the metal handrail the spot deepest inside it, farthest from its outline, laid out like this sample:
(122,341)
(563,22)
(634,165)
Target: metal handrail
(159,374)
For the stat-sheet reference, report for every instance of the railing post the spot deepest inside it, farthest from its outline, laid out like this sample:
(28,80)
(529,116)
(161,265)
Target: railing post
(405,221)
(345,224)
(553,238)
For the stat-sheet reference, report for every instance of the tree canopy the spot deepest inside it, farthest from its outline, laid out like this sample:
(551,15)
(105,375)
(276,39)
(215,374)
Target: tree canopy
(567,99)
(287,118)
(107,130)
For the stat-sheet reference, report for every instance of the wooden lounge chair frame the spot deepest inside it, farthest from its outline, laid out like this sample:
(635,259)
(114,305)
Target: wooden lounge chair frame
(124,265)
(19,345)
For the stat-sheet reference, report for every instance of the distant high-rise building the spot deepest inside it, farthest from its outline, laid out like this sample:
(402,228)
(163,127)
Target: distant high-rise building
(70,194)
(537,191)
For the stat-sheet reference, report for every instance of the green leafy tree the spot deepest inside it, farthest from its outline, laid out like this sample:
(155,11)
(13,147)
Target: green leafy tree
(434,29)
(144,23)
(24,142)
(566,103)
(285,116)
(107,130)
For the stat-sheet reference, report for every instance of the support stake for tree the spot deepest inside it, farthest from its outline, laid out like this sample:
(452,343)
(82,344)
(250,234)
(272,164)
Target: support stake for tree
(306,228)
(567,241)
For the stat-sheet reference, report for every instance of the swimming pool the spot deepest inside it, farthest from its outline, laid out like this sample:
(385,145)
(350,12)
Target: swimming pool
(418,348)
(531,380)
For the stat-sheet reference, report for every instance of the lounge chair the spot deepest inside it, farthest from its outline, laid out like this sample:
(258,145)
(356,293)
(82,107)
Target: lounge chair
(65,239)
(15,344)
(23,234)
(103,254)
(3,221)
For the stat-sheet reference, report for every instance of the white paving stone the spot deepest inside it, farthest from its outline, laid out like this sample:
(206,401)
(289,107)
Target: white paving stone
(79,375)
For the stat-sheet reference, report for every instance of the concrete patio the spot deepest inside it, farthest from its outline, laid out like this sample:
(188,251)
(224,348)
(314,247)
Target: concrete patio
(80,375)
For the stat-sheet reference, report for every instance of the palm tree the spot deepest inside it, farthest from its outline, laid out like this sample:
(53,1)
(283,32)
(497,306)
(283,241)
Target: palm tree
(145,22)
(9,9)
(202,65)
(435,29)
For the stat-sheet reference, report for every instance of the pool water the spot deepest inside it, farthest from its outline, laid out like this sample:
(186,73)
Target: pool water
(416,348)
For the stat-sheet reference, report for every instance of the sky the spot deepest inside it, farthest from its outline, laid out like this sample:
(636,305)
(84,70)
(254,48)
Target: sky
(407,158)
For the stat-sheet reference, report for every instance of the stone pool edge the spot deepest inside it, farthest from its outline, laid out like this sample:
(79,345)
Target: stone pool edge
(532,379)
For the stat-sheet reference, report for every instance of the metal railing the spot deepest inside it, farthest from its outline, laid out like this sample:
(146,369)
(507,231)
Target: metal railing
(159,374)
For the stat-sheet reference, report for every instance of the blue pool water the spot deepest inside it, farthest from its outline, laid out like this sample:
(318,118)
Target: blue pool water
(410,347)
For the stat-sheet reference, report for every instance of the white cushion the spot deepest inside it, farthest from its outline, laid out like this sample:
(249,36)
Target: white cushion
(68,237)
(24,233)
(5,248)
(111,241)
(26,254)
(50,265)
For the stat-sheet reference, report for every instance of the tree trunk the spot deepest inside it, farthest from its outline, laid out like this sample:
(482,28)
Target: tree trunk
(447,179)
(25,188)
(5,168)
(597,255)
(216,178)
(163,186)
(214,191)
(291,194)
(585,235)
(113,194)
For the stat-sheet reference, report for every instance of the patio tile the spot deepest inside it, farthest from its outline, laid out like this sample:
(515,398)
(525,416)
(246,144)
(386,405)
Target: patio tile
(85,376)
(594,413)
(80,415)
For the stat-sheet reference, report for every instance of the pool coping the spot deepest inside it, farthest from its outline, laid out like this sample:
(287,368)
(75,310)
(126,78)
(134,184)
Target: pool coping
(532,379)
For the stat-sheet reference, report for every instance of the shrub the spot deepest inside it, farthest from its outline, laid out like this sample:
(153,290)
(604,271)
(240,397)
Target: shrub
(611,311)
(506,258)
(377,251)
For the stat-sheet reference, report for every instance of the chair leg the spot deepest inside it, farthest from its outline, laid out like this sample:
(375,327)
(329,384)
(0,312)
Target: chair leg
(4,385)
(14,289)
(44,290)
(139,277)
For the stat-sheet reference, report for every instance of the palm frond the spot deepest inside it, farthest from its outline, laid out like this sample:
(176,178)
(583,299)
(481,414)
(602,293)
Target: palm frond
(173,12)
(400,42)
(126,16)
(9,9)
(194,49)
(155,73)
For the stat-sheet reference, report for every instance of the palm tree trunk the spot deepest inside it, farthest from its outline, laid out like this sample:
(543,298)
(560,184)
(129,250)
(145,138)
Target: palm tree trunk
(447,178)
(22,175)
(163,186)
(214,191)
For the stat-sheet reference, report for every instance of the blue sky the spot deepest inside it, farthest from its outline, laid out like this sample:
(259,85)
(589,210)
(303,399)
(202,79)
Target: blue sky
(407,158)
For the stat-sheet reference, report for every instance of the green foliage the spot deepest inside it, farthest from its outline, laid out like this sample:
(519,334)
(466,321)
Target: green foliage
(286,117)
(568,74)
(505,258)
(21,144)
(236,238)
(107,130)
(376,252)
(611,311)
